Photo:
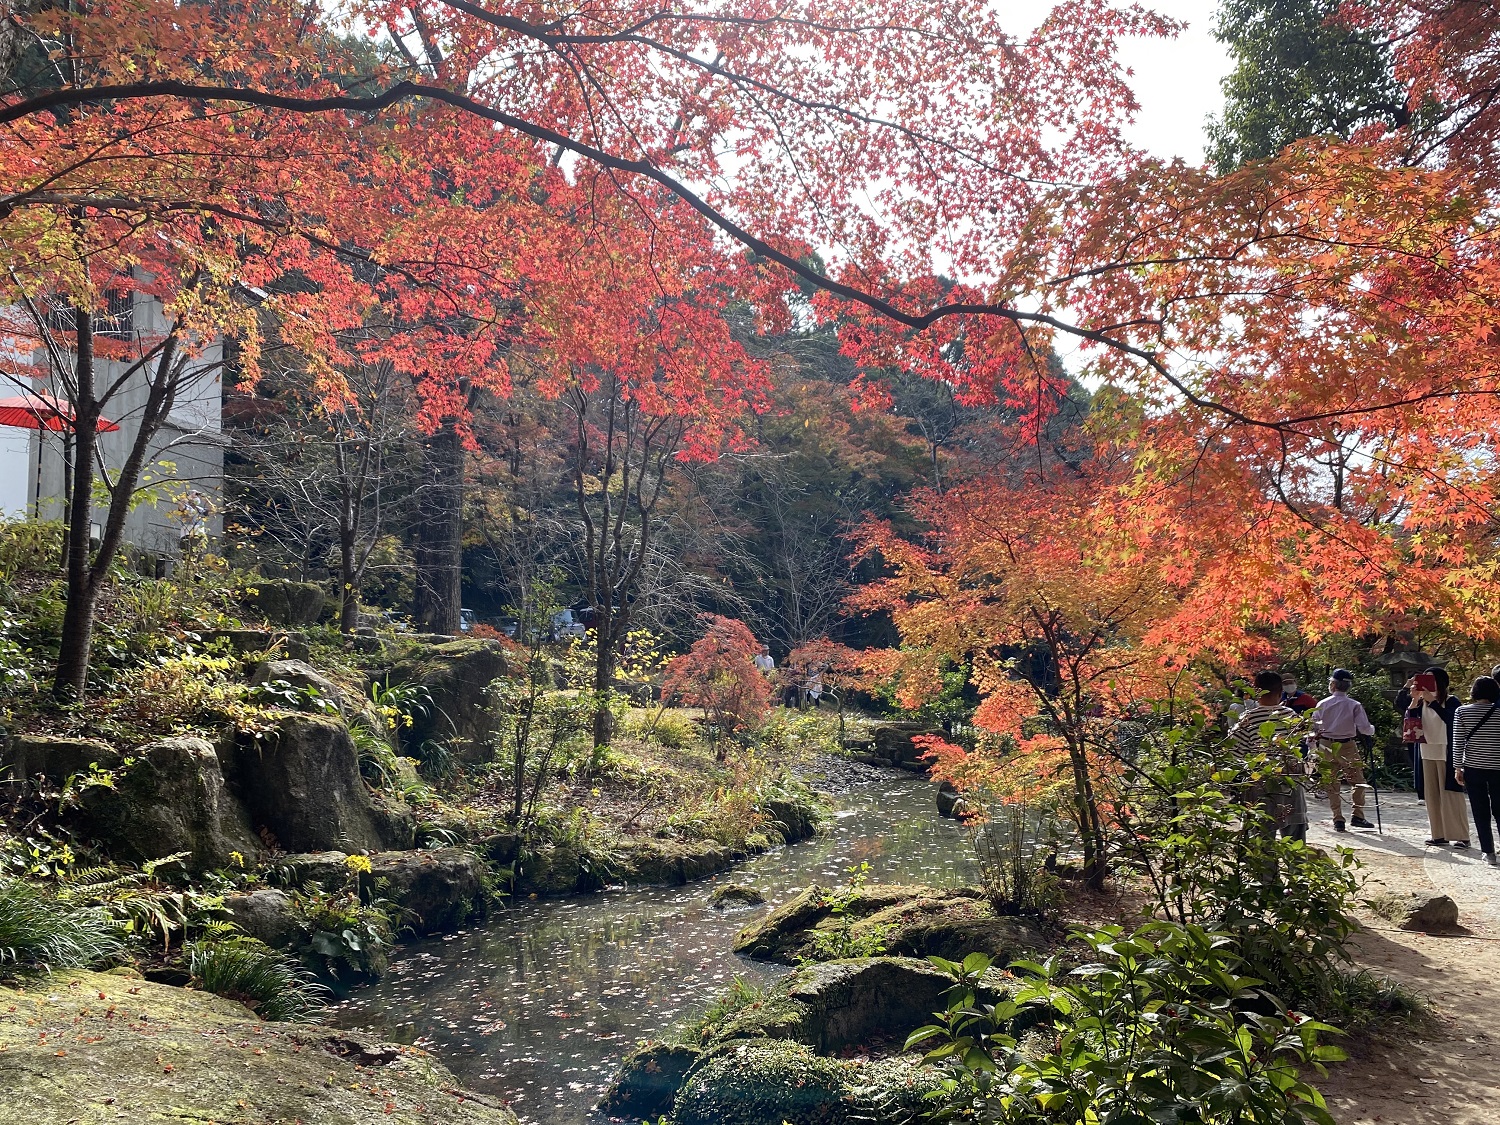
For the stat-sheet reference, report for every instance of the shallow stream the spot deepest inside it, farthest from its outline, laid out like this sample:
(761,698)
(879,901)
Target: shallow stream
(538,1006)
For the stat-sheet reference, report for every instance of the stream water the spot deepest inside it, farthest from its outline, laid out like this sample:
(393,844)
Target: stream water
(539,1005)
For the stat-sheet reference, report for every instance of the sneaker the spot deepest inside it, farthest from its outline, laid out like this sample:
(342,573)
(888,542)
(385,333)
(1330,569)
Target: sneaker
(1489,857)
(1338,826)
(1460,843)
(1360,822)
(1437,842)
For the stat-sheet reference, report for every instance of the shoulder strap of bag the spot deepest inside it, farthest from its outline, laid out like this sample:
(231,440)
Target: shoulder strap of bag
(1481,722)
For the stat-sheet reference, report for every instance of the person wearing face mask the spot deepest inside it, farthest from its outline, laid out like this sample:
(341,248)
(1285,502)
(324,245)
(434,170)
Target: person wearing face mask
(1428,724)
(1294,697)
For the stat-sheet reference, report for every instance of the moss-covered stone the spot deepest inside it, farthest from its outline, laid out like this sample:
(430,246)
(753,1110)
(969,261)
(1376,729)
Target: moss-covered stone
(457,675)
(734,894)
(303,785)
(28,757)
(649,1079)
(91,1048)
(763,1082)
(904,920)
(281,602)
(171,798)
(841,1004)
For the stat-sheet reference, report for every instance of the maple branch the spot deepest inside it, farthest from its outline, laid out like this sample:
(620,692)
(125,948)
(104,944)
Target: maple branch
(402,91)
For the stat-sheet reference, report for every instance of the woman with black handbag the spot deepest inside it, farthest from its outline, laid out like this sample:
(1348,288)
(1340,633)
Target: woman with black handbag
(1476,753)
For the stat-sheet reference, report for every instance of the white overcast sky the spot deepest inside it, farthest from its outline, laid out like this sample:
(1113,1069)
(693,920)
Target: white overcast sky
(1177,81)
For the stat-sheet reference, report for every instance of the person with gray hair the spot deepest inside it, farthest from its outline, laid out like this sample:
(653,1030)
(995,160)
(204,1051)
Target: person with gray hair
(1338,721)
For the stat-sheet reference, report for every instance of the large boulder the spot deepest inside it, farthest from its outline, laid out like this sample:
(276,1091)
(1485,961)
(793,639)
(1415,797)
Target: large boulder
(774,1082)
(92,1047)
(169,797)
(840,1004)
(28,757)
(911,921)
(281,602)
(266,914)
(649,1079)
(456,675)
(301,675)
(437,890)
(302,784)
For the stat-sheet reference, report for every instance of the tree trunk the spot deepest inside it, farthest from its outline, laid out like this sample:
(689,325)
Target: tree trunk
(439,546)
(348,583)
(82,591)
(604,678)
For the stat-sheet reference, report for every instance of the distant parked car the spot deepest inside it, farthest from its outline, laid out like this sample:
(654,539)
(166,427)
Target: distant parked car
(467,619)
(567,627)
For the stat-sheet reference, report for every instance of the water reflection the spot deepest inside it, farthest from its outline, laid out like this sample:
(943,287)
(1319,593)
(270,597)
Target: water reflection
(539,1005)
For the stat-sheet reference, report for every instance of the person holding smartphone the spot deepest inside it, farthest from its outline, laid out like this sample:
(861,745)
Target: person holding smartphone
(1428,724)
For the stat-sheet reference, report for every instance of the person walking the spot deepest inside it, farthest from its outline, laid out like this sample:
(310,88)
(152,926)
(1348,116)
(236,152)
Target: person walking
(1338,720)
(1476,758)
(1428,724)
(1284,802)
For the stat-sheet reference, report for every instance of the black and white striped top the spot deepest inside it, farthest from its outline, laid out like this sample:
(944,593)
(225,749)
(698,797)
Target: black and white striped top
(1476,740)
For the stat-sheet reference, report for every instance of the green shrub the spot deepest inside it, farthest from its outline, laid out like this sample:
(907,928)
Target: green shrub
(38,930)
(1157,1026)
(268,982)
(676,730)
(29,547)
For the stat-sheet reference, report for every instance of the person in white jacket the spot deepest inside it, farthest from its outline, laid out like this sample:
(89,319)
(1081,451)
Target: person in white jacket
(1433,709)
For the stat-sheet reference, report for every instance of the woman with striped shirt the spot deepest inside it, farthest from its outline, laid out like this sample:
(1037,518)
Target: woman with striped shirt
(1476,757)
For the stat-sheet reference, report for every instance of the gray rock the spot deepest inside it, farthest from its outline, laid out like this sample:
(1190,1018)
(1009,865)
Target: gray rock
(55,759)
(437,890)
(457,675)
(735,894)
(1429,914)
(894,742)
(299,674)
(265,914)
(649,1079)
(841,1004)
(328,870)
(949,802)
(171,798)
(285,603)
(909,920)
(302,783)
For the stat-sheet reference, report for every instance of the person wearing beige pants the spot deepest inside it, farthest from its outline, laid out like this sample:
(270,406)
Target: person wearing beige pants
(1340,763)
(1447,810)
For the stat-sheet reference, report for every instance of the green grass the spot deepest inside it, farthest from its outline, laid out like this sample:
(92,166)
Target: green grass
(36,930)
(269,983)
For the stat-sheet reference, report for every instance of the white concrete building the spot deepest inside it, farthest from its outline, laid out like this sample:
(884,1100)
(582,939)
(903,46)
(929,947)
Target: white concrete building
(185,459)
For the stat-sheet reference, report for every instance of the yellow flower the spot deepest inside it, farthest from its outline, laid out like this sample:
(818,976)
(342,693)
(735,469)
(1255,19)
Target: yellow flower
(358,863)
(239,860)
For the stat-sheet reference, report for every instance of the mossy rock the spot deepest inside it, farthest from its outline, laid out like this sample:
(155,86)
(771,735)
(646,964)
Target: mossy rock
(649,1079)
(27,757)
(457,675)
(902,920)
(734,894)
(171,798)
(282,602)
(767,1083)
(92,1048)
(842,1004)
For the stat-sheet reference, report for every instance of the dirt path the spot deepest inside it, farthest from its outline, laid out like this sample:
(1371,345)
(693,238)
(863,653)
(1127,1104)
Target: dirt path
(1446,1072)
